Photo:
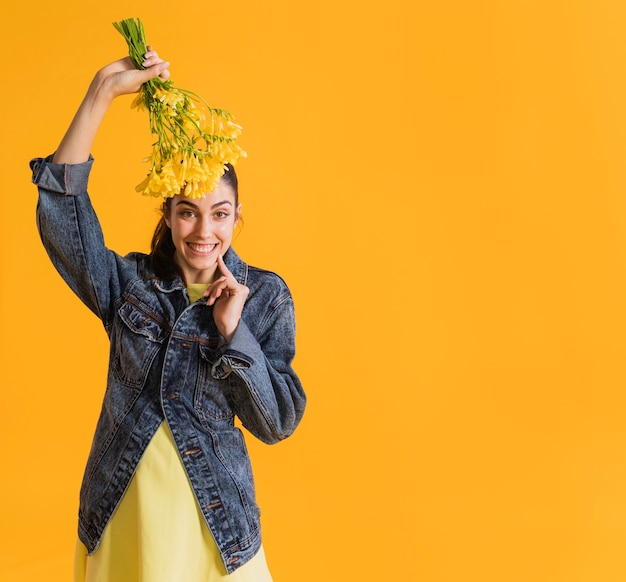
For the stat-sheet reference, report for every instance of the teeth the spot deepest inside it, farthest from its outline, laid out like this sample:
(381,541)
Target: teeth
(201,248)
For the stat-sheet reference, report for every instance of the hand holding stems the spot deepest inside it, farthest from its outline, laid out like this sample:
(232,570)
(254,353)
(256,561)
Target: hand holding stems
(118,78)
(227,297)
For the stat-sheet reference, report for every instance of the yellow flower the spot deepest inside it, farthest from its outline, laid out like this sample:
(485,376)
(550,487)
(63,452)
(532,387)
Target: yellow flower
(194,140)
(170,97)
(139,103)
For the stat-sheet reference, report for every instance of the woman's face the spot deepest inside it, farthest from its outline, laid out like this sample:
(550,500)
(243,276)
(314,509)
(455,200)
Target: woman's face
(202,229)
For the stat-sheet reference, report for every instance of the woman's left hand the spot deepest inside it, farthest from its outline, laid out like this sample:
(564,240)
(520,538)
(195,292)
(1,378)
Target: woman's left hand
(227,298)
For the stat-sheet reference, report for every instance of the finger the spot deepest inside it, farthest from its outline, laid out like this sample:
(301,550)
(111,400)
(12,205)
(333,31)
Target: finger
(214,285)
(150,51)
(222,267)
(159,70)
(151,57)
(215,290)
(225,290)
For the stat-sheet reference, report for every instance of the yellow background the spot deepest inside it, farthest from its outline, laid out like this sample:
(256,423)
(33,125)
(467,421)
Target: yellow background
(442,185)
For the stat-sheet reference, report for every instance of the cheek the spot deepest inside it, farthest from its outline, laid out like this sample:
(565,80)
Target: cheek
(179,228)
(225,231)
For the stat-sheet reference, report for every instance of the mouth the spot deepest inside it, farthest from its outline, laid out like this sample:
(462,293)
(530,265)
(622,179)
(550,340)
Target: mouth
(202,249)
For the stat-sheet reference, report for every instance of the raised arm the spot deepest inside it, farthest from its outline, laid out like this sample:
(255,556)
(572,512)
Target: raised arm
(118,78)
(68,225)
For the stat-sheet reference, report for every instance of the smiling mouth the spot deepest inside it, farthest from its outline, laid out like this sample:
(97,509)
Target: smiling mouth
(202,249)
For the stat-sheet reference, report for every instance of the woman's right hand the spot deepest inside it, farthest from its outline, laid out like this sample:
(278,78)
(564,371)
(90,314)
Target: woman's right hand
(119,78)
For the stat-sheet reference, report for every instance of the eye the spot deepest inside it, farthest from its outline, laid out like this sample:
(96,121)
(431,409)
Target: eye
(186,213)
(220,214)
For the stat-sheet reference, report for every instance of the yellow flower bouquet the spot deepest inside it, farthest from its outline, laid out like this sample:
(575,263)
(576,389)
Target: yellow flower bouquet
(194,141)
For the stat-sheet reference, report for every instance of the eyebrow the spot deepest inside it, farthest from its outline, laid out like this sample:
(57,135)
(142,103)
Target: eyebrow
(188,203)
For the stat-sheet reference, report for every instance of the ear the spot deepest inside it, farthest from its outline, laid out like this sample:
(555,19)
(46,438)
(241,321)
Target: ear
(237,215)
(166,209)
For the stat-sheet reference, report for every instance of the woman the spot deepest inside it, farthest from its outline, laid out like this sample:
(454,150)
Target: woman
(197,338)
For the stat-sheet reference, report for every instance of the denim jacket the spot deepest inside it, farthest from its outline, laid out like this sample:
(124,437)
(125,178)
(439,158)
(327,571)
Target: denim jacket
(169,363)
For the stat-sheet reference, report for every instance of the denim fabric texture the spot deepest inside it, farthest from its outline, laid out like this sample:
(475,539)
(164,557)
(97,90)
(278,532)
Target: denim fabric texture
(169,363)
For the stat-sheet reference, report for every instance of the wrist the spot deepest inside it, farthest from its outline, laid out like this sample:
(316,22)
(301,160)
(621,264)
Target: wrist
(228,334)
(100,94)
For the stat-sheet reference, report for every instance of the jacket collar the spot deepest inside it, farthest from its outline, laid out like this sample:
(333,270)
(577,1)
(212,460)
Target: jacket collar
(236,266)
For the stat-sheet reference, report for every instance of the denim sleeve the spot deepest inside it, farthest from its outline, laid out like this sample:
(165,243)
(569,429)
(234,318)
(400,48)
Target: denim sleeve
(71,234)
(268,395)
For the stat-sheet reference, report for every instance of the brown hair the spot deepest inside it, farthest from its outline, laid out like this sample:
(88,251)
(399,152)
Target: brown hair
(162,247)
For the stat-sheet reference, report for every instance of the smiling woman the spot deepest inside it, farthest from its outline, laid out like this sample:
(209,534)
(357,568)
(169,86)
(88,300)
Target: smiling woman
(201,230)
(197,338)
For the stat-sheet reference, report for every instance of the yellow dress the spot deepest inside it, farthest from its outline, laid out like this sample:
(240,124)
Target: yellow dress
(158,533)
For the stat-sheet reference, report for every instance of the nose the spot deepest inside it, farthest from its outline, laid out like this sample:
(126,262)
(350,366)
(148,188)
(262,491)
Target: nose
(204,227)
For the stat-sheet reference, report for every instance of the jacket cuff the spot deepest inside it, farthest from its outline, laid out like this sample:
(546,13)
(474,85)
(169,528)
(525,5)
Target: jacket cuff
(69,179)
(240,353)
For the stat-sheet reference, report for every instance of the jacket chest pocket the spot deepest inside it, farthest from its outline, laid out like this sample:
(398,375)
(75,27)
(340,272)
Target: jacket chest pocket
(211,396)
(137,341)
